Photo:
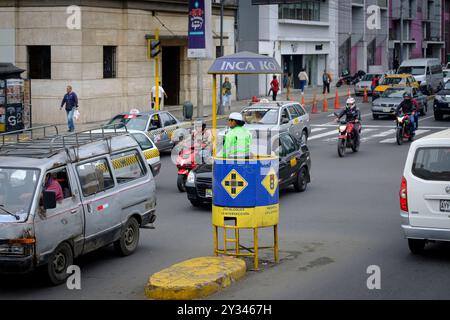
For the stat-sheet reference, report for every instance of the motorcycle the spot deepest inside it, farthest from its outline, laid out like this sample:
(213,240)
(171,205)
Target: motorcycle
(186,160)
(403,130)
(348,79)
(346,138)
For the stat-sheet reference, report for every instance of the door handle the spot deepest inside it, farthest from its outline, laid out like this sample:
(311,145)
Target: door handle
(73,211)
(89,208)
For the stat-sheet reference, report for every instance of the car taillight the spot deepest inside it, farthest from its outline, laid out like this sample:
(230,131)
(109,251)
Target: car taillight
(403,195)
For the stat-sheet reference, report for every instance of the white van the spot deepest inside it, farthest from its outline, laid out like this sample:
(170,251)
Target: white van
(425,191)
(428,72)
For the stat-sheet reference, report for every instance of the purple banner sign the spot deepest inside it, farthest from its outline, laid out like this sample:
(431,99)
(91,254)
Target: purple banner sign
(197,23)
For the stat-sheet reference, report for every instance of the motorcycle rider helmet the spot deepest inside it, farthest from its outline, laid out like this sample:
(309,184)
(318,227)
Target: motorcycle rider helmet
(351,103)
(407,95)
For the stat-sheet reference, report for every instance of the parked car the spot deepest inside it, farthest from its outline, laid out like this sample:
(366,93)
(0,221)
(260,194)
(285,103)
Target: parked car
(392,97)
(394,80)
(446,73)
(425,191)
(428,73)
(366,82)
(159,124)
(278,116)
(102,192)
(441,105)
(294,169)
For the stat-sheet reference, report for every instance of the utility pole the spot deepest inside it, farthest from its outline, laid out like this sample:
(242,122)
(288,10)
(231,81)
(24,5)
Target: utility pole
(199,89)
(221,54)
(401,32)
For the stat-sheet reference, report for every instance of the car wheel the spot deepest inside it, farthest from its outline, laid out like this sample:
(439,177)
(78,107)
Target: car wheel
(375,116)
(301,183)
(196,203)
(129,238)
(416,246)
(59,261)
(438,116)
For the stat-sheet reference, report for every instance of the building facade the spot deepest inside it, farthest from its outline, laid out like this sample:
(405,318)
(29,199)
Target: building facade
(105,60)
(422,30)
(362,34)
(446,30)
(300,35)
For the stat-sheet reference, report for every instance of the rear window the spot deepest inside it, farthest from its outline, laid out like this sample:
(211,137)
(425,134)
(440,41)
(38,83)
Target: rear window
(260,116)
(131,121)
(392,80)
(432,164)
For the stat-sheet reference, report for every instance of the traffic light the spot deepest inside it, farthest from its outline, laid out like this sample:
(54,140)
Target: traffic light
(155,48)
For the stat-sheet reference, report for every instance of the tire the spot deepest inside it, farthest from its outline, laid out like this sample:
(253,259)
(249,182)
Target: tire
(338,84)
(304,137)
(375,116)
(59,261)
(341,147)
(301,182)
(196,203)
(423,112)
(129,238)
(181,182)
(438,116)
(416,246)
(355,145)
(399,136)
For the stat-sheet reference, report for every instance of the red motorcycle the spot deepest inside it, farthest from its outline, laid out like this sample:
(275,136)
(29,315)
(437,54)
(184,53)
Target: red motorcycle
(186,161)
(404,128)
(347,139)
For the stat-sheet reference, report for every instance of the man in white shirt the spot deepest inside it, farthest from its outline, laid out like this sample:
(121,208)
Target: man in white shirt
(161,93)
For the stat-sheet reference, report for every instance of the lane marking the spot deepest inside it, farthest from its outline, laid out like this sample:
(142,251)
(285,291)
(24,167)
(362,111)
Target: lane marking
(317,129)
(321,135)
(363,132)
(379,126)
(392,140)
(379,135)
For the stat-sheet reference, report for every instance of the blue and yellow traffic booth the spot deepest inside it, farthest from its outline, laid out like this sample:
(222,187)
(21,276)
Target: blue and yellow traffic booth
(245,190)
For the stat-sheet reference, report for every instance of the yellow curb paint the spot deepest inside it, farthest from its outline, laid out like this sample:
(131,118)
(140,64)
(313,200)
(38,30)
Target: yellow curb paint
(195,278)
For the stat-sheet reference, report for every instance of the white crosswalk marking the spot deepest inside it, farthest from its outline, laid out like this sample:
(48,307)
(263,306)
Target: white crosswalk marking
(363,132)
(317,129)
(379,135)
(321,135)
(392,140)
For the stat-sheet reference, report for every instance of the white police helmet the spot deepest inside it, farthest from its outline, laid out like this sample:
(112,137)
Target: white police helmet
(236,116)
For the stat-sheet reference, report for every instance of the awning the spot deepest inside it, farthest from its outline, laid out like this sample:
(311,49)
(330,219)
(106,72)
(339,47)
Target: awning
(245,63)
(8,71)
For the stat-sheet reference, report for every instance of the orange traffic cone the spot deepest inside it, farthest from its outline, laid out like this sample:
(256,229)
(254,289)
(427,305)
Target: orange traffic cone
(314,106)
(337,104)
(366,96)
(303,100)
(325,103)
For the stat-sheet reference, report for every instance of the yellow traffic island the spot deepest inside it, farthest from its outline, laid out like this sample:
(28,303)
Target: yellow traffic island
(195,278)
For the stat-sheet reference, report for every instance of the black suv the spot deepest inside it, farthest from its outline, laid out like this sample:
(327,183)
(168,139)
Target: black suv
(294,169)
(442,102)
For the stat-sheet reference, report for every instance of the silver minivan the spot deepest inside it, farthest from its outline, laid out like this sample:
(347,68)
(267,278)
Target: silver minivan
(428,72)
(62,196)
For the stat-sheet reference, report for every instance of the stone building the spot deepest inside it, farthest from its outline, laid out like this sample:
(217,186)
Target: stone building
(105,60)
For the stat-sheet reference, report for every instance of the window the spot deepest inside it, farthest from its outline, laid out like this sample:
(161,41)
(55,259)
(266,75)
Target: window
(127,166)
(39,62)
(432,164)
(218,52)
(62,178)
(143,141)
(436,69)
(131,122)
(284,115)
(155,122)
(306,10)
(287,144)
(109,62)
(300,110)
(293,112)
(95,177)
(167,119)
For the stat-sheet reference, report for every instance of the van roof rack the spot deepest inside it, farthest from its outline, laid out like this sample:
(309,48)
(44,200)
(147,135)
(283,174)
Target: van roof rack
(46,141)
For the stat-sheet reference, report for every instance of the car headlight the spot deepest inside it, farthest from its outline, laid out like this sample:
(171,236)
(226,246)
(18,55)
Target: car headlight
(12,249)
(191,177)
(440,98)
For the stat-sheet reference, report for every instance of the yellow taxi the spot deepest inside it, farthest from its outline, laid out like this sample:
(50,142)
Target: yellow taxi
(395,80)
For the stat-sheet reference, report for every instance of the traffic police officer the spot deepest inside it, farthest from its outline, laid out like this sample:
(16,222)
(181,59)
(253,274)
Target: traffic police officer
(238,139)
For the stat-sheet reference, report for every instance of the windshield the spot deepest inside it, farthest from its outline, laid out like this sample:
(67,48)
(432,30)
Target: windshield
(17,187)
(368,77)
(260,116)
(132,122)
(393,93)
(415,71)
(447,85)
(392,80)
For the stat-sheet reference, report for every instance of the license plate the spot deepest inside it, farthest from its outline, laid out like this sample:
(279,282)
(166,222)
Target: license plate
(445,205)
(386,109)
(208,193)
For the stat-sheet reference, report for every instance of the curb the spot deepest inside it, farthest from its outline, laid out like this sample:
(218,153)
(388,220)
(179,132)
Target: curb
(195,278)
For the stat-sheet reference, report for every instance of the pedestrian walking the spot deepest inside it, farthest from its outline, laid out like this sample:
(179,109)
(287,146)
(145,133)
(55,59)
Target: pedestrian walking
(303,77)
(70,101)
(226,93)
(274,87)
(375,82)
(326,79)
(288,86)
(161,94)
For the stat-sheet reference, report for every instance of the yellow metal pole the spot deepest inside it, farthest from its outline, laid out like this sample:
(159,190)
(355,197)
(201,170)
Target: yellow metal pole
(157,74)
(216,241)
(214,115)
(275,235)
(237,239)
(255,249)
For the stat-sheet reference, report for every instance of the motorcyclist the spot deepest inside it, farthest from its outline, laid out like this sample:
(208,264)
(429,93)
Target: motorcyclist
(410,107)
(353,114)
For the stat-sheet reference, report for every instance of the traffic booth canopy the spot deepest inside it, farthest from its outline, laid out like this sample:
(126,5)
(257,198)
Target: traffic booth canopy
(245,63)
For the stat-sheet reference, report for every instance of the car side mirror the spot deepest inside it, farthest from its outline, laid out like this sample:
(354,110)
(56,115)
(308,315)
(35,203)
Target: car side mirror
(49,199)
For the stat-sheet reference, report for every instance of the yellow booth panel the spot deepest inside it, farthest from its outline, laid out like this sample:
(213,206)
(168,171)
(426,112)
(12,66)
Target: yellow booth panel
(253,217)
